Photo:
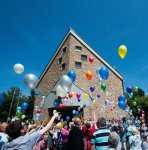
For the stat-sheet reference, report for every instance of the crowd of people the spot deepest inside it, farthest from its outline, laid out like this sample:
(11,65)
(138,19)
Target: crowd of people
(102,134)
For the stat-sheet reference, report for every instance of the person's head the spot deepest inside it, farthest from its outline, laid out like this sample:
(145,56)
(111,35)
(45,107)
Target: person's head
(14,129)
(45,136)
(143,121)
(88,125)
(65,125)
(115,129)
(71,125)
(113,139)
(77,122)
(101,123)
(123,119)
(62,120)
(3,126)
(134,130)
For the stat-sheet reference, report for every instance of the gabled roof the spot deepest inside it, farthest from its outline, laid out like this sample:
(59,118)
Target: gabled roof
(71,31)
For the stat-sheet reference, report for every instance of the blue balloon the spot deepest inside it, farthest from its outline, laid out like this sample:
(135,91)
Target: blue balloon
(67,118)
(56,104)
(1,98)
(77,113)
(72,75)
(37,116)
(122,98)
(18,109)
(129,89)
(24,106)
(74,112)
(122,105)
(104,73)
(42,94)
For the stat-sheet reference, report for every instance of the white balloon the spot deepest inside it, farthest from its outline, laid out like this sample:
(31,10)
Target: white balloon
(31,81)
(60,91)
(54,111)
(23,117)
(18,68)
(65,83)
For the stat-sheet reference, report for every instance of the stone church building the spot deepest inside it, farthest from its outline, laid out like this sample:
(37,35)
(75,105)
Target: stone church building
(73,54)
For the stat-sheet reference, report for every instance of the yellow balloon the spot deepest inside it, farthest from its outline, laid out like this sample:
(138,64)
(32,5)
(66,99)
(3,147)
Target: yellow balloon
(73,94)
(122,51)
(93,102)
(86,95)
(60,126)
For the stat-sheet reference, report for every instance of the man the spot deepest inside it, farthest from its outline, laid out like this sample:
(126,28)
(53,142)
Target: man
(100,137)
(75,139)
(27,141)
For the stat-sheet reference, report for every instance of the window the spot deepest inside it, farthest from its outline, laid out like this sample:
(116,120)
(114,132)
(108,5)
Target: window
(64,50)
(78,65)
(78,49)
(63,66)
(84,57)
(60,60)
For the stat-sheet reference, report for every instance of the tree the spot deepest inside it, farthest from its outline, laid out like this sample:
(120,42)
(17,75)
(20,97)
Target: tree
(14,94)
(141,100)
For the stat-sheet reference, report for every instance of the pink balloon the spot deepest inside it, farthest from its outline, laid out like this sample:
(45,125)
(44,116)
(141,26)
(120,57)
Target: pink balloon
(78,95)
(64,101)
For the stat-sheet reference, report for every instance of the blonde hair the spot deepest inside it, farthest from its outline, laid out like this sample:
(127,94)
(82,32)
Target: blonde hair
(135,130)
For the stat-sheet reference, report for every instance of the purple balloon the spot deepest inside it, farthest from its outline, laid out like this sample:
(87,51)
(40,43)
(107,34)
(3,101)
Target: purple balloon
(98,95)
(92,88)
(129,89)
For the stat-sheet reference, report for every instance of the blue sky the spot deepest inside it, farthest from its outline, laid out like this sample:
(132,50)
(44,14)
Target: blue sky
(31,30)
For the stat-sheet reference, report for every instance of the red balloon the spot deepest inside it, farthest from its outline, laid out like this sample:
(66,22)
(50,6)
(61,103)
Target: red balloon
(70,95)
(61,106)
(39,111)
(91,59)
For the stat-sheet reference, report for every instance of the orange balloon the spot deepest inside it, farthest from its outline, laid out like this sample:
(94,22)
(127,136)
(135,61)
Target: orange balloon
(88,75)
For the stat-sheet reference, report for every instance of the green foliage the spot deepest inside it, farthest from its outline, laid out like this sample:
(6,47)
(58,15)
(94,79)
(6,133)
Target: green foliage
(15,94)
(141,100)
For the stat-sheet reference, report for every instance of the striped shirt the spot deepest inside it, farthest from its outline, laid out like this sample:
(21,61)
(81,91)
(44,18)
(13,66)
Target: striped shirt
(100,139)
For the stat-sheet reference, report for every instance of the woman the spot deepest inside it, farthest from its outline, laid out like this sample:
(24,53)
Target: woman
(143,128)
(135,140)
(64,136)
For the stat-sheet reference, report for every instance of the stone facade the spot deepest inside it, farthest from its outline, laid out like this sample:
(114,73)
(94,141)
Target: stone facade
(54,71)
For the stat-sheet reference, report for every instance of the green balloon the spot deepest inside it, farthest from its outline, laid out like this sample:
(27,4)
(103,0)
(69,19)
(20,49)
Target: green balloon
(19,114)
(84,105)
(131,95)
(135,103)
(103,86)
(136,89)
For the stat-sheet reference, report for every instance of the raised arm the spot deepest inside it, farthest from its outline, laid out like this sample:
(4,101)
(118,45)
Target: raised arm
(46,128)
